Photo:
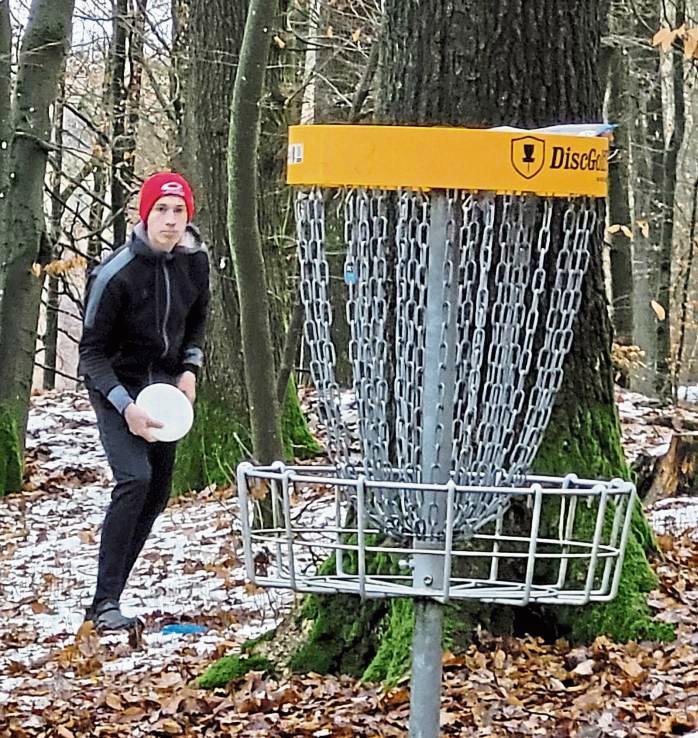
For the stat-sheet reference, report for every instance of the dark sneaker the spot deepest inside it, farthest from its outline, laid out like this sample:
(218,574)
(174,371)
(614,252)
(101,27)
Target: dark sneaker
(107,615)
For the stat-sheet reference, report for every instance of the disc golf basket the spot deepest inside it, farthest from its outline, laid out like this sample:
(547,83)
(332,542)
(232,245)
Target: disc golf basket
(464,255)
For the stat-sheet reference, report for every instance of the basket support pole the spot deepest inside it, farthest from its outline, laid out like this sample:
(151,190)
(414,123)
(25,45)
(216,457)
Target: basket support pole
(437,412)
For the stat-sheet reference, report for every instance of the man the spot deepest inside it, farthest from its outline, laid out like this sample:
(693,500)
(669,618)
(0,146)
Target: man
(144,318)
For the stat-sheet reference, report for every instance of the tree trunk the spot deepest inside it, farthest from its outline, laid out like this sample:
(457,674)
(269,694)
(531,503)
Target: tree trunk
(647,145)
(23,238)
(681,363)
(675,473)
(6,123)
(210,36)
(665,371)
(50,342)
(136,41)
(618,201)
(245,241)
(5,96)
(277,230)
(179,76)
(53,282)
(99,180)
(527,64)
(117,74)
(313,9)
(212,31)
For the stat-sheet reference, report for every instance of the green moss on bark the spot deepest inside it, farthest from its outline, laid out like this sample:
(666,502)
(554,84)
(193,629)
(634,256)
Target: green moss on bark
(298,441)
(343,636)
(229,668)
(10,453)
(588,443)
(373,639)
(217,443)
(393,657)
(212,449)
(392,660)
(345,633)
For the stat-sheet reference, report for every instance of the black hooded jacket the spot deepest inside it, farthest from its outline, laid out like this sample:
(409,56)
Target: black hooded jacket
(145,314)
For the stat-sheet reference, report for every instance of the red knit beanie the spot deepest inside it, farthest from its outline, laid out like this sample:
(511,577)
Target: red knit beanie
(164,184)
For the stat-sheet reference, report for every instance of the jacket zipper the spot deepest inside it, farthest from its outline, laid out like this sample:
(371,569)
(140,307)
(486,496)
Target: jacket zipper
(165,339)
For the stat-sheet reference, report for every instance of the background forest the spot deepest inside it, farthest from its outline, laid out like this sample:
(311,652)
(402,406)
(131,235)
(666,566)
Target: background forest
(146,83)
(95,95)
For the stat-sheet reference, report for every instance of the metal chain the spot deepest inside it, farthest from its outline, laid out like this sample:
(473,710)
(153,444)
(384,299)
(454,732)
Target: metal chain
(578,223)
(315,295)
(412,237)
(493,401)
(366,274)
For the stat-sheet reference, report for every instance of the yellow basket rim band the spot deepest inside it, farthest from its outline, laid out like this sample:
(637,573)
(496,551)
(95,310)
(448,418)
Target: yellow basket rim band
(428,158)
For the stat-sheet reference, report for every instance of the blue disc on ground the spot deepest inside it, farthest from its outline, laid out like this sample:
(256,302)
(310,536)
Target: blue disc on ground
(183,629)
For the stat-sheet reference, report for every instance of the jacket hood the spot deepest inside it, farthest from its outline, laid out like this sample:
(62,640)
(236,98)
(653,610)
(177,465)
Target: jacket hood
(189,243)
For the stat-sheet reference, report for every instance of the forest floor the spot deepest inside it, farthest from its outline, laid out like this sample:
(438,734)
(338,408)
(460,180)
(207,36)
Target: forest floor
(58,678)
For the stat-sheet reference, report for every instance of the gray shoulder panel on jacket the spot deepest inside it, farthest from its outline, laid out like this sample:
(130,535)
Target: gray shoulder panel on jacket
(104,274)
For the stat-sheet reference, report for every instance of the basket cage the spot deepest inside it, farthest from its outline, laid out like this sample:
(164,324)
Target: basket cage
(553,540)
(460,308)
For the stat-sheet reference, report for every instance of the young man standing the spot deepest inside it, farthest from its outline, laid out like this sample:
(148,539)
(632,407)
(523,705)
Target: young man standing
(145,312)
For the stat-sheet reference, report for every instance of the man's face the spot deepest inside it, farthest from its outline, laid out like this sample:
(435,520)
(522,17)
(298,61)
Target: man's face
(166,222)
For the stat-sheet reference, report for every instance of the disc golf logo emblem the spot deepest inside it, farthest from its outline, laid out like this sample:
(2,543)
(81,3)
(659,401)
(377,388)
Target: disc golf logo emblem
(528,155)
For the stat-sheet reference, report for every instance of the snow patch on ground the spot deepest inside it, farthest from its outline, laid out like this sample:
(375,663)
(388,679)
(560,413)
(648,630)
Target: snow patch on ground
(688,394)
(675,516)
(189,571)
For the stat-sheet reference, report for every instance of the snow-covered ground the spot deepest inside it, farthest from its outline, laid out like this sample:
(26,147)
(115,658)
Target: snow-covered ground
(644,435)
(190,570)
(689,394)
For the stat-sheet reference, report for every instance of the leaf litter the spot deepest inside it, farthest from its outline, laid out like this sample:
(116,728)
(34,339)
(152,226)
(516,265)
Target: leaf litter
(59,678)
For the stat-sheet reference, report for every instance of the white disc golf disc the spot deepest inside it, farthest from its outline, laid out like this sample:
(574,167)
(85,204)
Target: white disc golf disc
(170,406)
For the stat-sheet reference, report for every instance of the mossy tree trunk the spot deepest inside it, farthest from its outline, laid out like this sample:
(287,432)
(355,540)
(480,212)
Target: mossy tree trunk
(210,38)
(214,30)
(482,64)
(245,239)
(23,237)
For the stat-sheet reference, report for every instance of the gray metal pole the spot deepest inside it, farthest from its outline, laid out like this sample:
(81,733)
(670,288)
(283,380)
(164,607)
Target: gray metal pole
(425,695)
(437,410)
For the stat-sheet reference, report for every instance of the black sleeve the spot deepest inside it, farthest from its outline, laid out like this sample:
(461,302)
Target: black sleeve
(193,345)
(101,311)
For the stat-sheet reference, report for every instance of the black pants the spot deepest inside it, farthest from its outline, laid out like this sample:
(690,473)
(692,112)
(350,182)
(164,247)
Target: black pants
(143,474)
